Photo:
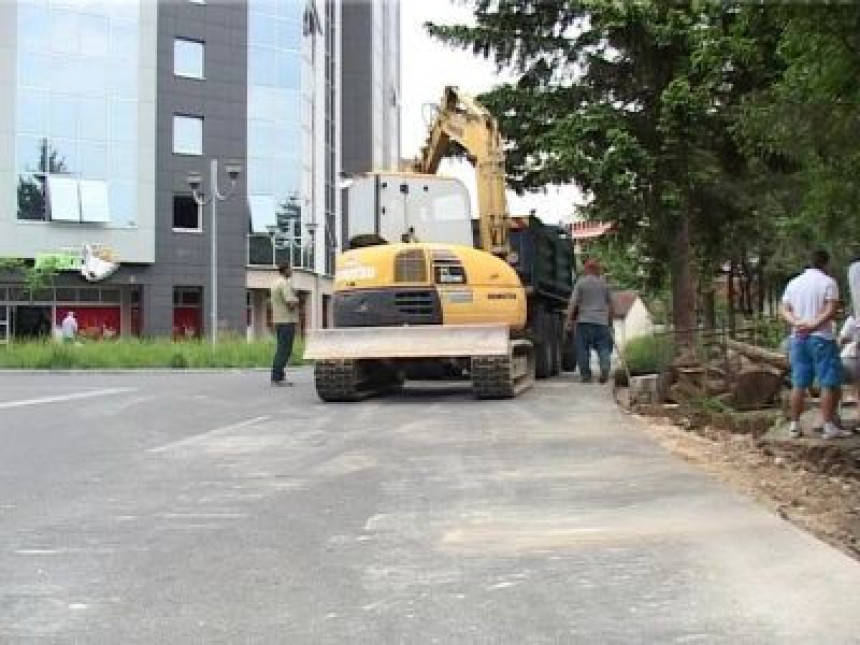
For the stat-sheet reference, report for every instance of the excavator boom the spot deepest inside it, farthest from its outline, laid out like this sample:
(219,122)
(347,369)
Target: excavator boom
(464,122)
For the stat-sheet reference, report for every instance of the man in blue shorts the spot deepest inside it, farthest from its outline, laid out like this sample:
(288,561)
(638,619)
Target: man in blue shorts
(809,306)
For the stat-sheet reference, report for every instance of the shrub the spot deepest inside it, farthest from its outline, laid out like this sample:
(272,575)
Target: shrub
(648,354)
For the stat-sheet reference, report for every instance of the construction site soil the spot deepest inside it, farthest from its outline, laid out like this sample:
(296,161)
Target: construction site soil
(809,481)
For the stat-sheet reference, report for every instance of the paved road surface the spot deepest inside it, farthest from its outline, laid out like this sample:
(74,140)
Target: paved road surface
(212,508)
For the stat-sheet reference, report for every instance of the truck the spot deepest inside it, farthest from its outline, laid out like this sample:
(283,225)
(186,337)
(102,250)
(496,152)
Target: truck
(426,291)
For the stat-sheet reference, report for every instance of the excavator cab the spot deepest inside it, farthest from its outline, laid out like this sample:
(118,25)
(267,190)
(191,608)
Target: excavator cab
(409,207)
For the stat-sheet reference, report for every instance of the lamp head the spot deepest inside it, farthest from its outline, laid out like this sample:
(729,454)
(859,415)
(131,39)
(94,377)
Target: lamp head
(195,181)
(234,169)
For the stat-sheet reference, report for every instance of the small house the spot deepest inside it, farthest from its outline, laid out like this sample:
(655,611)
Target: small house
(632,318)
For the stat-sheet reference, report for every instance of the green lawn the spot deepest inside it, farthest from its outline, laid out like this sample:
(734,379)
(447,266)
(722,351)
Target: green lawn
(133,353)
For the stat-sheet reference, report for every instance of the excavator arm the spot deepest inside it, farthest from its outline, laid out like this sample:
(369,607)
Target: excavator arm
(465,122)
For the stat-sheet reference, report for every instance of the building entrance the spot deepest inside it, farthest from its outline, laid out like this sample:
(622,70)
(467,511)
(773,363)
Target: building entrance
(31,321)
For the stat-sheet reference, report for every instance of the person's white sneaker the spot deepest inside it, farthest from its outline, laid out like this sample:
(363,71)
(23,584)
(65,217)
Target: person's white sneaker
(794,430)
(832,431)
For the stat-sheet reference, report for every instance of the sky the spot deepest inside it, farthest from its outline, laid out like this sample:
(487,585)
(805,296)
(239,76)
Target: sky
(428,66)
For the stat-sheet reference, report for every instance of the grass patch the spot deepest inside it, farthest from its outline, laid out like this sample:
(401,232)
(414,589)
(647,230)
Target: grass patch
(142,353)
(648,354)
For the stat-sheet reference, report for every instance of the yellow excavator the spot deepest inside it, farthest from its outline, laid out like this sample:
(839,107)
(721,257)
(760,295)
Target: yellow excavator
(424,292)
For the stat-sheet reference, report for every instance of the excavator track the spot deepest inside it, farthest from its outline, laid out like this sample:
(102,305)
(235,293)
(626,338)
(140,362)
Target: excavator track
(491,377)
(349,380)
(336,380)
(503,377)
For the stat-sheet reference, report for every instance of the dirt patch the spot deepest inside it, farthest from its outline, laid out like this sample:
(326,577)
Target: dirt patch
(814,484)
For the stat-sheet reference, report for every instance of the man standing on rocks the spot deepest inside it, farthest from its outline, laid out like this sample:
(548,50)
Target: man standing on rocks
(591,308)
(809,306)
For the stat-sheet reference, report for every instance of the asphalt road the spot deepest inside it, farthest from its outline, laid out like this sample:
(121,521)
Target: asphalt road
(209,508)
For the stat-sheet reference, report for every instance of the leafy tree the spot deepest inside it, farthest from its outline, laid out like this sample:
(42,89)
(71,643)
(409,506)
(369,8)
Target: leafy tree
(810,119)
(35,278)
(606,97)
(711,134)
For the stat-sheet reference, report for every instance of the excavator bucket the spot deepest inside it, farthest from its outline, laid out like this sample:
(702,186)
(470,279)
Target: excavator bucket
(422,341)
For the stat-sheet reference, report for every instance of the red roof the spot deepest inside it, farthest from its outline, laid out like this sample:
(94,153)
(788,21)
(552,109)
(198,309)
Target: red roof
(589,230)
(622,302)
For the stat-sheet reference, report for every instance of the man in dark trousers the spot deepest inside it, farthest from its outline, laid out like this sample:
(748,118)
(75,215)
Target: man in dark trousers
(285,315)
(591,309)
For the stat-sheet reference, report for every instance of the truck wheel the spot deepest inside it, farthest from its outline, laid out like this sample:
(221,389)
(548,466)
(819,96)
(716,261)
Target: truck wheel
(543,343)
(557,329)
(568,353)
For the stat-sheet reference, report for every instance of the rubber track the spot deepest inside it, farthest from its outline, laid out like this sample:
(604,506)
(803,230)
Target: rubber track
(337,380)
(491,377)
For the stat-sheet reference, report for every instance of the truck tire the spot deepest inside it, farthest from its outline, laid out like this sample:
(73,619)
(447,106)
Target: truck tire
(542,330)
(568,354)
(557,331)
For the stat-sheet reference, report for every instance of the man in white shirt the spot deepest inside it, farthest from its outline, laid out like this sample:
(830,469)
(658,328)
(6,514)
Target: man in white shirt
(809,306)
(69,327)
(848,339)
(854,287)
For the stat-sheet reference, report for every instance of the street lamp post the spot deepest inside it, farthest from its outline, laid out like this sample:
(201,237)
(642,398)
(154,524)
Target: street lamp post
(195,182)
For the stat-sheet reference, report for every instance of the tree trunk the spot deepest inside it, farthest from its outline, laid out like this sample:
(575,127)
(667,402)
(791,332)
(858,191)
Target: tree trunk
(746,287)
(709,300)
(760,354)
(730,298)
(683,288)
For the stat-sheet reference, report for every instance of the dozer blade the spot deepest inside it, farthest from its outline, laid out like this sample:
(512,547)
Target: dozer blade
(423,341)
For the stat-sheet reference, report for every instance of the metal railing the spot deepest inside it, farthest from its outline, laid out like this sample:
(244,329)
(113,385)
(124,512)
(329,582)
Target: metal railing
(265,251)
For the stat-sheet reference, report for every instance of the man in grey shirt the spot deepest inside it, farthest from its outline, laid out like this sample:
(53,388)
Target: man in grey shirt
(591,309)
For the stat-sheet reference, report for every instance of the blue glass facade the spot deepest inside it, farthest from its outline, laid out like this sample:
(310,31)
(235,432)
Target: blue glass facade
(77,101)
(275,30)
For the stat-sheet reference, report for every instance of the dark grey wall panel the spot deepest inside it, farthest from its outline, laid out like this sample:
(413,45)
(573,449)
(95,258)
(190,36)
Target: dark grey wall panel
(182,259)
(357,78)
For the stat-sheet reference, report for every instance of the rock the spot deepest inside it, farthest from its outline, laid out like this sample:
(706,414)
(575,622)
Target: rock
(643,389)
(682,392)
(755,388)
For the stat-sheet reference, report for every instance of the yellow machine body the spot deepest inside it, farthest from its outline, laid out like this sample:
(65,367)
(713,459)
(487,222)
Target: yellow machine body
(415,284)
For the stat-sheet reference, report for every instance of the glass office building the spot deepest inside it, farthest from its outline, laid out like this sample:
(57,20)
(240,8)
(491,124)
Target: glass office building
(76,92)
(106,106)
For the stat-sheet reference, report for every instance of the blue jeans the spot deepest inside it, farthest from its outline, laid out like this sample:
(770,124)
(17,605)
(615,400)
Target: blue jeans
(597,337)
(284,332)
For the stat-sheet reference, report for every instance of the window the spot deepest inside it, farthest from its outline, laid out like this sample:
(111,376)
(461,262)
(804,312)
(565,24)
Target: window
(94,201)
(187,135)
(65,205)
(185,213)
(263,217)
(188,58)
